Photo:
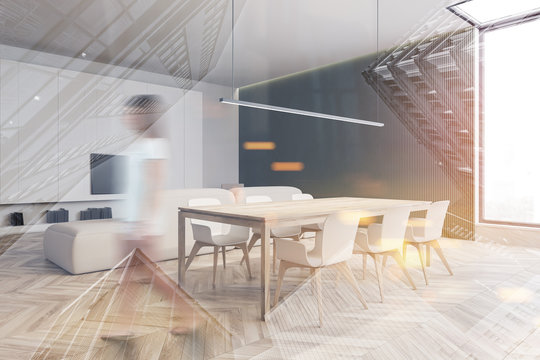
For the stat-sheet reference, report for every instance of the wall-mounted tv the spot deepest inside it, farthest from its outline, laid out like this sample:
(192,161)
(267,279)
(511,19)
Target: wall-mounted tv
(107,174)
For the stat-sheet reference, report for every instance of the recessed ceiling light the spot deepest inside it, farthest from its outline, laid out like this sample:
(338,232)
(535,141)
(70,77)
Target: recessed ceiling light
(37,98)
(83,54)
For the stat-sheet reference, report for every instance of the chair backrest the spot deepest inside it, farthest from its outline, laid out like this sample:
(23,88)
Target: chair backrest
(335,243)
(215,227)
(276,193)
(171,200)
(258,199)
(392,231)
(302,197)
(435,219)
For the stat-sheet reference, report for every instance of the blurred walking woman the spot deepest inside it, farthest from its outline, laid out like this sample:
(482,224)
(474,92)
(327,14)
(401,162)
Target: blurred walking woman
(146,174)
(144,227)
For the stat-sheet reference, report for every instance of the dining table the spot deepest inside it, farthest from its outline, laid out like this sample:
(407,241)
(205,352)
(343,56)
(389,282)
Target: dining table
(262,217)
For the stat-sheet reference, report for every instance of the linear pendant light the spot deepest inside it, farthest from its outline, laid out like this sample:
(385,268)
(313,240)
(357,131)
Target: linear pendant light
(284,109)
(298,112)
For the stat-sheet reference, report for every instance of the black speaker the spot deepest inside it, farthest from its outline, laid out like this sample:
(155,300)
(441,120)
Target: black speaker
(16,219)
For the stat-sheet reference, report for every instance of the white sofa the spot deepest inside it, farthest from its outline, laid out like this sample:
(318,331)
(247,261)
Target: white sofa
(83,246)
(94,245)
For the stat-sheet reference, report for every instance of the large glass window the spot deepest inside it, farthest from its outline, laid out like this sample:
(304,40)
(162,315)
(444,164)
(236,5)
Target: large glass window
(511,125)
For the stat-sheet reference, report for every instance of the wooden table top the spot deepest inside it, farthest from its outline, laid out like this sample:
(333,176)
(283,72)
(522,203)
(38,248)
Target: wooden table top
(284,210)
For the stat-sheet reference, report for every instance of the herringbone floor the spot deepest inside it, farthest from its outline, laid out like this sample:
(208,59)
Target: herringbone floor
(490,309)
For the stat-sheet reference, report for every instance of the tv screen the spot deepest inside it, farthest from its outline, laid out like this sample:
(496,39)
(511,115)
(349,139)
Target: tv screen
(107,174)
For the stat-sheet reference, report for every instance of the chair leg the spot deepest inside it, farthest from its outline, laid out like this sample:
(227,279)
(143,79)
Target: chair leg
(274,254)
(246,255)
(347,273)
(419,249)
(312,275)
(283,266)
(428,255)
(404,252)
(216,253)
(379,274)
(385,257)
(196,247)
(318,286)
(364,266)
(223,252)
(397,256)
(438,250)
(252,242)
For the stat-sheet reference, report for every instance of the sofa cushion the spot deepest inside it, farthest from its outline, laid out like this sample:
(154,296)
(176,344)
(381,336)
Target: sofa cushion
(87,227)
(84,246)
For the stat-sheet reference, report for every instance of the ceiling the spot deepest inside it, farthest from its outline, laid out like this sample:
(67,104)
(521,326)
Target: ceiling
(190,40)
(273,38)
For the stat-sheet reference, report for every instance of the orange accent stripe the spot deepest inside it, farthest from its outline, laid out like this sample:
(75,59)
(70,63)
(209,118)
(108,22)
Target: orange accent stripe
(287,166)
(259,145)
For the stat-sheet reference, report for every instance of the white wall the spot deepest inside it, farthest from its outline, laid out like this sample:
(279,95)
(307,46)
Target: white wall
(220,140)
(52,120)
(45,142)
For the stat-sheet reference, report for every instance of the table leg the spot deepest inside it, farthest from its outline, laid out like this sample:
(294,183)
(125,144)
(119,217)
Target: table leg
(181,249)
(265,269)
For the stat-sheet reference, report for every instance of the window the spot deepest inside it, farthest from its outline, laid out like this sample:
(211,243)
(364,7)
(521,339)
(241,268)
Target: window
(510,132)
(484,13)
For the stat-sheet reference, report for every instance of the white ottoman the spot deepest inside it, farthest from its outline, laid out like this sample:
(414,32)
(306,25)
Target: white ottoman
(83,246)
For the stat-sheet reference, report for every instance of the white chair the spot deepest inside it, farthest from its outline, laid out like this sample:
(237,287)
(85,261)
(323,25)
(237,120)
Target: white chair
(275,233)
(333,247)
(427,231)
(384,240)
(208,233)
(303,196)
(308,231)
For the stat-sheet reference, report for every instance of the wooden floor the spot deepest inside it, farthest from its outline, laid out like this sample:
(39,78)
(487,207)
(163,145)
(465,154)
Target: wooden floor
(6,241)
(490,309)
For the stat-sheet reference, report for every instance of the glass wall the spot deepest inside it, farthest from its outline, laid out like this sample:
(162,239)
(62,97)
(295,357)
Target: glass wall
(511,170)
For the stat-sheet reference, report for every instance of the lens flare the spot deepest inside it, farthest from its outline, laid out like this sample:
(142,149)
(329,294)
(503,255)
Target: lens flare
(515,295)
(287,166)
(259,145)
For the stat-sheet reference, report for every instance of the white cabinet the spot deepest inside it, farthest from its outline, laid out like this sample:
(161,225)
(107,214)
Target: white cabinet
(51,120)
(29,142)
(77,132)
(111,95)
(38,133)
(173,122)
(9,131)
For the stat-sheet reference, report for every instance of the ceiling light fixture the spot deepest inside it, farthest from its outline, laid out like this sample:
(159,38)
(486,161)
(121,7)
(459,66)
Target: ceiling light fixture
(284,109)
(298,112)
